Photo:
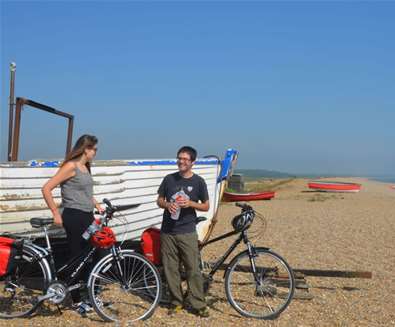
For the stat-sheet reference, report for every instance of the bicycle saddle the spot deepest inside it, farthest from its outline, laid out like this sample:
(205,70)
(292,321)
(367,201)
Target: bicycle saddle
(200,219)
(40,222)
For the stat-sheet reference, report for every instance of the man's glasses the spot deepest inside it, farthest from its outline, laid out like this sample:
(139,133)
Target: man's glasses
(183,159)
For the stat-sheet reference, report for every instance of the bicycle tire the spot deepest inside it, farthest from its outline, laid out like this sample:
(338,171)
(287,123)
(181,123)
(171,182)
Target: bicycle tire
(165,293)
(20,289)
(267,298)
(129,298)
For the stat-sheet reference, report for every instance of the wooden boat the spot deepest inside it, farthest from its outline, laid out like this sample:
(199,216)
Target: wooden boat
(121,181)
(234,197)
(328,186)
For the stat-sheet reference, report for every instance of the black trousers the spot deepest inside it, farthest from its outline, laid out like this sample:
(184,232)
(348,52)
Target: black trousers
(75,222)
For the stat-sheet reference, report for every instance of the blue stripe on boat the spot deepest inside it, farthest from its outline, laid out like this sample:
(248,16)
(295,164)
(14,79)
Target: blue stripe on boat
(226,164)
(49,164)
(35,163)
(167,162)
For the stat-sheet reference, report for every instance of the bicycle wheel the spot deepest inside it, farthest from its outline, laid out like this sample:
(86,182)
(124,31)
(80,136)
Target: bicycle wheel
(20,290)
(265,294)
(124,290)
(165,296)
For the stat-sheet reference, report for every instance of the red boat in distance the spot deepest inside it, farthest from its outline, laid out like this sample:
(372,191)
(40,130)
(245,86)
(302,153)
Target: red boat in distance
(234,197)
(327,186)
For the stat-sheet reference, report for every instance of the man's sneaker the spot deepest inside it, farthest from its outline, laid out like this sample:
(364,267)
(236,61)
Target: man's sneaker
(203,312)
(83,308)
(100,303)
(174,309)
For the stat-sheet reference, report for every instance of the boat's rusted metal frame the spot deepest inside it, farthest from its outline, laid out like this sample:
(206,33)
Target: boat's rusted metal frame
(20,102)
(11,108)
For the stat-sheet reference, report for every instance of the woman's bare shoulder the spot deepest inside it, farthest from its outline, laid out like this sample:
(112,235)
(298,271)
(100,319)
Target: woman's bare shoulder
(68,167)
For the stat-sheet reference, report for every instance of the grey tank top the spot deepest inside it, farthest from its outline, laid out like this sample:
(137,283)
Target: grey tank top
(77,191)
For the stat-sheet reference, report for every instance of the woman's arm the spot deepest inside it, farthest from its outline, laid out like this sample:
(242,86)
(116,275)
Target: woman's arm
(98,206)
(65,172)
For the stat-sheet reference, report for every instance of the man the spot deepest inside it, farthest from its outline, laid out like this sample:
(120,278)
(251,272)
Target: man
(181,194)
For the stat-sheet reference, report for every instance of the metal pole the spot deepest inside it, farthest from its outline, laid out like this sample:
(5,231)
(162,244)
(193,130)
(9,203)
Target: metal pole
(69,135)
(11,110)
(15,148)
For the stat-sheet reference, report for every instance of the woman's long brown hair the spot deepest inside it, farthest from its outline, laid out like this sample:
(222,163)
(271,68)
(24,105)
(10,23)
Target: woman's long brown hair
(84,142)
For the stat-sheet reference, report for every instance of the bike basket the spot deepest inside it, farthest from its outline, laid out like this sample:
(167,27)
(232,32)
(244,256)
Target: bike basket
(150,245)
(10,249)
(103,238)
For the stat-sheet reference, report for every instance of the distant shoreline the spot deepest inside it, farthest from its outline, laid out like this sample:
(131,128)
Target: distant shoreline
(389,180)
(269,174)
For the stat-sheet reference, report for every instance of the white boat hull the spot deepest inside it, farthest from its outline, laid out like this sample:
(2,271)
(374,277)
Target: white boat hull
(122,182)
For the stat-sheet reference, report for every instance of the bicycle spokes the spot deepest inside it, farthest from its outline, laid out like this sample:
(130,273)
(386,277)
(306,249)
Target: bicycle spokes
(125,288)
(263,293)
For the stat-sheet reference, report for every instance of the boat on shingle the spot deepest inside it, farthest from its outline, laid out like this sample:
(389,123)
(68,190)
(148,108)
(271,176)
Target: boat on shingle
(121,181)
(330,186)
(234,197)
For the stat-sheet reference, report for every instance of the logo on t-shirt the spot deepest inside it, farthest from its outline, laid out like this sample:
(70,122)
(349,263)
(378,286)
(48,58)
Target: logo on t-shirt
(189,189)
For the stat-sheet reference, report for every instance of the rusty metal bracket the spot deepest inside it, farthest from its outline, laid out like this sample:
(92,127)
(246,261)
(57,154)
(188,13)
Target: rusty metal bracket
(20,102)
(11,108)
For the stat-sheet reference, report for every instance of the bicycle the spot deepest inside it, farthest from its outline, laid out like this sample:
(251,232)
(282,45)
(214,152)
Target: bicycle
(116,288)
(259,283)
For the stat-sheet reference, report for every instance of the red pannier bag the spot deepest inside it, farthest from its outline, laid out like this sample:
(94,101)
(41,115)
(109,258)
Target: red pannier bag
(10,249)
(150,245)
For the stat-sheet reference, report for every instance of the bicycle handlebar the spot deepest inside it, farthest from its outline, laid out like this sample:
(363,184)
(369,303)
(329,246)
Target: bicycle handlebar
(111,208)
(107,203)
(243,206)
(125,207)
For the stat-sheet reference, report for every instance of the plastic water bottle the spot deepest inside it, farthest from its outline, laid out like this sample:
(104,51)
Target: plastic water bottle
(92,228)
(176,215)
(175,198)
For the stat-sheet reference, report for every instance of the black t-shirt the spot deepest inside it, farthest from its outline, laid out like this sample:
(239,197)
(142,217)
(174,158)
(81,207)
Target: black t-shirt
(195,187)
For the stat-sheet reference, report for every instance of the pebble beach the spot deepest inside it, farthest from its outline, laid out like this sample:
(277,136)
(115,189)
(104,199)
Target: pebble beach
(311,230)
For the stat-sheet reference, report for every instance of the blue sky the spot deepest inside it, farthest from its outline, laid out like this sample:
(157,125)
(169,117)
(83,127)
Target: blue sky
(301,87)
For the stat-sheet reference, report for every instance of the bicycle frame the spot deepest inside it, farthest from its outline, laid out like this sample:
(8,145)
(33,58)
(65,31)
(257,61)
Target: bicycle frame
(80,261)
(40,279)
(242,237)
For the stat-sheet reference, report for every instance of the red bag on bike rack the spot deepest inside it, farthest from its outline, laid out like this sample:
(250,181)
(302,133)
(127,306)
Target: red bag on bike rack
(8,253)
(150,245)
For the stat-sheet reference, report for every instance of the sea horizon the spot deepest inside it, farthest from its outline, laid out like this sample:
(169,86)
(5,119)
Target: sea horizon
(266,173)
(385,179)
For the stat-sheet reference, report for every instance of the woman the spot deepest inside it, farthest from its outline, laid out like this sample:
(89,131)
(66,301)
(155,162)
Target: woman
(76,184)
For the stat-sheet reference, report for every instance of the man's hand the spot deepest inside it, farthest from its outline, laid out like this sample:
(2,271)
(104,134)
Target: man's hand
(184,203)
(172,207)
(99,208)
